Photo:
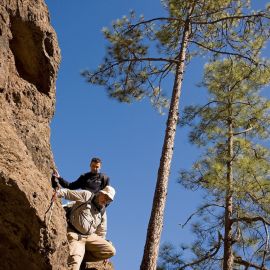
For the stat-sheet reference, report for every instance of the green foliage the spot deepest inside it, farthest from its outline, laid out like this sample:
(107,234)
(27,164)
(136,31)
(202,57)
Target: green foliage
(234,98)
(172,257)
(142,53)
(238,101)
(124,72)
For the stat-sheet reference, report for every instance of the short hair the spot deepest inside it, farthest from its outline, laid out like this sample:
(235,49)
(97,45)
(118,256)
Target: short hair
(96,160)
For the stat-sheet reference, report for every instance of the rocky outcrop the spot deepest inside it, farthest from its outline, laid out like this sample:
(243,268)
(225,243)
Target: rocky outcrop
(98,266)
(29,59)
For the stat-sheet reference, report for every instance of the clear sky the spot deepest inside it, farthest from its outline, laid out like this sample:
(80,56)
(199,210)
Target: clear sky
(128,138)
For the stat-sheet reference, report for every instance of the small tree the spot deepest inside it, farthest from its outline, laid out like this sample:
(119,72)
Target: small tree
(234,171)
(133,69)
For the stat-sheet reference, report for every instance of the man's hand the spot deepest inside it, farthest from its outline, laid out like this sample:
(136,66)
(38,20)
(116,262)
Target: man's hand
(55,173)
(54,181)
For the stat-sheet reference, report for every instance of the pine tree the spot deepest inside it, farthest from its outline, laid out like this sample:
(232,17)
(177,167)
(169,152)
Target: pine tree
(142,54)
(233,171)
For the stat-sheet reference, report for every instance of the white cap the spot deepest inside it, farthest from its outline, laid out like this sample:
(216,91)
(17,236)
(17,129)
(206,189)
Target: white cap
(109,191)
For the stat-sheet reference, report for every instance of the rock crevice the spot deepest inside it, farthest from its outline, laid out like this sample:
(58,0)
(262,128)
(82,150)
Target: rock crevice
(32,49)
(29,60)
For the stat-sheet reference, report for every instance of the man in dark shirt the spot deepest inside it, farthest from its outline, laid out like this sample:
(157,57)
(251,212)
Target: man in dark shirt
(93,181)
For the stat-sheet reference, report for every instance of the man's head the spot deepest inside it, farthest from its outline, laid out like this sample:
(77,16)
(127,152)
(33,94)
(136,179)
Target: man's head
(95,165)
(105,196)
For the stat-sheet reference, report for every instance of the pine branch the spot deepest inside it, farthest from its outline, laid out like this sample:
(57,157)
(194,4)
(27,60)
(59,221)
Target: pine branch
(242,132)
(208,14)
(195,113)
(112,65)
(257,201)
(266,245)
(239,260)
(224,52)
(262,15)
(131,27)
(198,211)
(211,253)
(242,103)
(245,77)
(250,220)
(149,59)
(259,185)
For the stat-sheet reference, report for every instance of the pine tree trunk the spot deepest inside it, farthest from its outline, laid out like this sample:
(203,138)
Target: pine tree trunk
(228,235)
(149,261)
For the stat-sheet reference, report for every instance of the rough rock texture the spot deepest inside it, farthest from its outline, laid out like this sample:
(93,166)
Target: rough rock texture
(29,59)
(99,266)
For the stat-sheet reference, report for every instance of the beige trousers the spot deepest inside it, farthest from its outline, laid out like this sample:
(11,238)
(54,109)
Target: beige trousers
(96,248)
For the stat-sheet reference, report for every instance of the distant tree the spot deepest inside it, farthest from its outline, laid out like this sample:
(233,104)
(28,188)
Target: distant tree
(134,68)
(233,222)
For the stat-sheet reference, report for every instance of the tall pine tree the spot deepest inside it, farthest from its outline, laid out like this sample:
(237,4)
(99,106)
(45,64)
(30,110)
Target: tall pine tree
(141,54)
(232,231)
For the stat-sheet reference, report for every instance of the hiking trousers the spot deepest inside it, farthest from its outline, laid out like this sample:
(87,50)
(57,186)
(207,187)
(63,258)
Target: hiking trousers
(96,247)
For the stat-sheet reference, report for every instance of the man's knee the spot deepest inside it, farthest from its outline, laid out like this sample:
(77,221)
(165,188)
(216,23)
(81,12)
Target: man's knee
(111,251)
(101,253)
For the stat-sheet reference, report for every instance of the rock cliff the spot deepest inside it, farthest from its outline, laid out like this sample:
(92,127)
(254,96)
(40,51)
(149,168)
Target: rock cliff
(99,266)
(29,59)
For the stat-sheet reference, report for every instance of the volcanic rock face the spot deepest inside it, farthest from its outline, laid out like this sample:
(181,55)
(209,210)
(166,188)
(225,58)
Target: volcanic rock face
(29,59)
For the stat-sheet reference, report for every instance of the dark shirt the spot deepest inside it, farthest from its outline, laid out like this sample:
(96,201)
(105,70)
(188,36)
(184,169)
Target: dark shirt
(93,182)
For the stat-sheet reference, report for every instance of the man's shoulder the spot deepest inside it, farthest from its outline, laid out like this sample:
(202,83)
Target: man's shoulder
(104,175)
(85,175)
(89,175)
(105,179)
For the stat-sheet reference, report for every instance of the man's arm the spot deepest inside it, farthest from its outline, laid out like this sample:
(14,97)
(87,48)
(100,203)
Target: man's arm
(102,227)
(75,195)
(73,185)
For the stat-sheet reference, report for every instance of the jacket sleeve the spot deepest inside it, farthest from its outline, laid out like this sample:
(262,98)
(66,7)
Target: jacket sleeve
(102,227)
(73,185)
(75,195)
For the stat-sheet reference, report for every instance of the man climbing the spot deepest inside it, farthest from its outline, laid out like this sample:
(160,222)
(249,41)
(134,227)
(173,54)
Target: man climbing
(88,225)
(93,181)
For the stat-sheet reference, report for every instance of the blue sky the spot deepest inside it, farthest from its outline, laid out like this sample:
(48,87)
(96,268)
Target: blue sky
(128,138)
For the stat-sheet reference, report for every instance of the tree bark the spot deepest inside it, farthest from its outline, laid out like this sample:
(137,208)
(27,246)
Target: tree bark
(149,260)
(228,234)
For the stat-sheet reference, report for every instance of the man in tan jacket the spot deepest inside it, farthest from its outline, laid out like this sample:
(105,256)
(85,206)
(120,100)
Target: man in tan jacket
(88,225)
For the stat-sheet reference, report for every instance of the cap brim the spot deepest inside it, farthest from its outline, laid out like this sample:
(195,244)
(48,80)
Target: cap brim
(106,193)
